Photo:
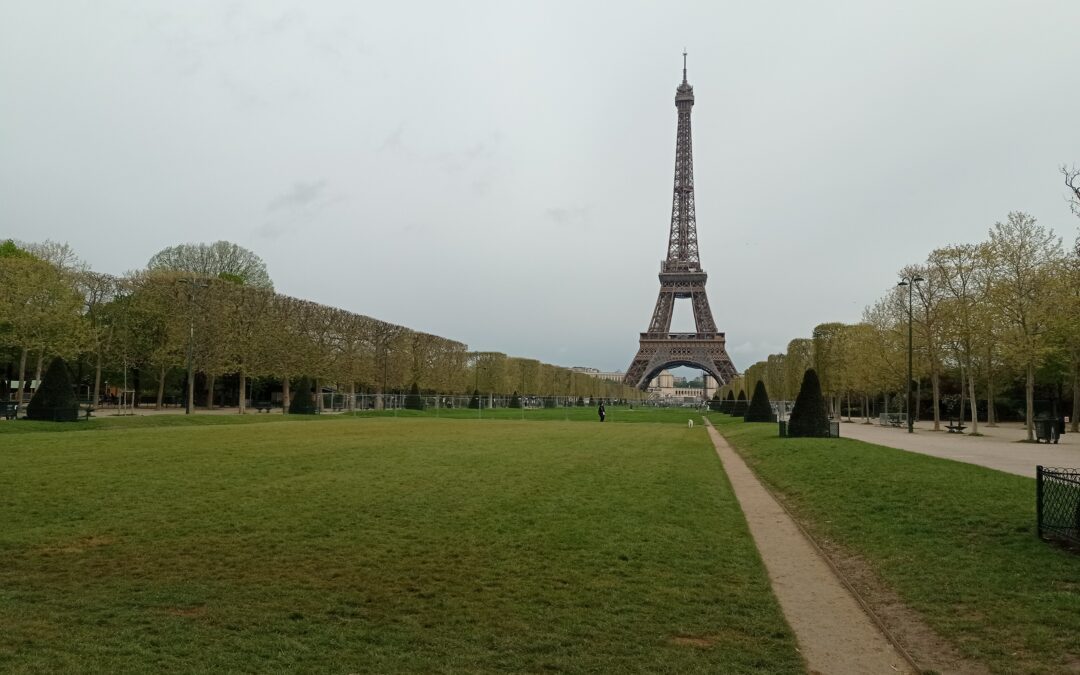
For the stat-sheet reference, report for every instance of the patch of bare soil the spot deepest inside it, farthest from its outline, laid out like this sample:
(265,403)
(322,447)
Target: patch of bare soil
(80,545)
(699,641)
(187,612)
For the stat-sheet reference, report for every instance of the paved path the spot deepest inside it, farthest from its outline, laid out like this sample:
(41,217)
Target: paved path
(835,634)
(999,448)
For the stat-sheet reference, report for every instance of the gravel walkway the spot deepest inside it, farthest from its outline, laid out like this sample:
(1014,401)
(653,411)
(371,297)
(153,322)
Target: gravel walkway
(834,632)
(998,448)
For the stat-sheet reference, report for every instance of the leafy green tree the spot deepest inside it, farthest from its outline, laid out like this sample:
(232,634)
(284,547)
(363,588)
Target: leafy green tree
(759,410)
(1025,257)
(55,399)
(222,260)
(809,417)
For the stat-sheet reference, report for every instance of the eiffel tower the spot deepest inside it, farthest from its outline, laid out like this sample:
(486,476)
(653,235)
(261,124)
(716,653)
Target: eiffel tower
(681,277)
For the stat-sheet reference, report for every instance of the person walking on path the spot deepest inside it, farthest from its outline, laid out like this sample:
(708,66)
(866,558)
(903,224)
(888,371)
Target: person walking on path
(600,411)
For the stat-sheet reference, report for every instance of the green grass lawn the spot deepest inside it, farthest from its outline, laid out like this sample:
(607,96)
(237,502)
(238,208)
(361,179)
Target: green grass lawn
(956,541)
(377,545)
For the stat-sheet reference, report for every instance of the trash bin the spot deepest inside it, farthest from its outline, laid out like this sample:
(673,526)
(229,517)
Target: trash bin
(834,428)
(1046,430)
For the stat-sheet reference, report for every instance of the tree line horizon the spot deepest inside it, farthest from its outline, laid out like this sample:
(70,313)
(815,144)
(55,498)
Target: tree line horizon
(218,301)
(991,322)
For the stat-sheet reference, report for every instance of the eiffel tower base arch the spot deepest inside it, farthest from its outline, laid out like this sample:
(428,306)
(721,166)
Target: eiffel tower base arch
(656,352)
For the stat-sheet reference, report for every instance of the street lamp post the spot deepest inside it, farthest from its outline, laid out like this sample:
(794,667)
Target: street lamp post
(910,283)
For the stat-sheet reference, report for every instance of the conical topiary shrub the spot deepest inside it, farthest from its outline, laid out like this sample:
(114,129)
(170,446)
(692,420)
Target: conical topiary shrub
(739,409)
(759,410)
(809,418)
(515,400)
(728,403)
(413,400)
(303,403)
(54,399)
(580,402)
(474,402)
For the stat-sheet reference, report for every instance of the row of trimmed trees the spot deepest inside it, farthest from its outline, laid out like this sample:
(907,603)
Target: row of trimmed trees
(996,334)
(215,305)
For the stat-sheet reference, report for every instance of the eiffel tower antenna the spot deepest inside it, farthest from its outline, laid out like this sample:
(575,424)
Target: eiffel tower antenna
(684,65)
(682,278)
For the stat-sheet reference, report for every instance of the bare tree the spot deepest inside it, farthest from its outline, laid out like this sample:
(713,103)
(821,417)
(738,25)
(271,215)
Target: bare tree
(1072,181)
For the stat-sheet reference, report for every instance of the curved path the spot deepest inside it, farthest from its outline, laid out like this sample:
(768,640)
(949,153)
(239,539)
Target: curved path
(834,632)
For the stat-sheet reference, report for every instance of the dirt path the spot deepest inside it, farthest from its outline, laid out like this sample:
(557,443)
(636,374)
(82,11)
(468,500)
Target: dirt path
(835,634)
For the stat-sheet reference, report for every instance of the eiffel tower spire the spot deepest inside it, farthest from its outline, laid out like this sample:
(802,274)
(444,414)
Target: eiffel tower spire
(681,277)
(682,240)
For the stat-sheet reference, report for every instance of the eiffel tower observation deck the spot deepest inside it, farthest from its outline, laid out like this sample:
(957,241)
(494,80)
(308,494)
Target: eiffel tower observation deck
(681,278)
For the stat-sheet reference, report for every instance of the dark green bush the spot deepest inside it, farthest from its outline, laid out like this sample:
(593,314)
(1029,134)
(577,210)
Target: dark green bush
(580,402)
(413,400)
(715,402)
(809,417)
(303,403)
(760,410)
(474,401)
(739,409)
(515,400)
(54,399)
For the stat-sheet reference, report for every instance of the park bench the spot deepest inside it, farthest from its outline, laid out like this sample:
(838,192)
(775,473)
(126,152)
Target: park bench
(892,419)
(955,427)
(263,406)
(9,409)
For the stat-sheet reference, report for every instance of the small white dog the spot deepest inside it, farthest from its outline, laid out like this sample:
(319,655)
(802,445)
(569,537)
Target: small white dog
(689,424)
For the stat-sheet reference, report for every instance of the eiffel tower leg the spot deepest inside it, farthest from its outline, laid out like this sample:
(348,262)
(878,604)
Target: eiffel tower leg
(665,305)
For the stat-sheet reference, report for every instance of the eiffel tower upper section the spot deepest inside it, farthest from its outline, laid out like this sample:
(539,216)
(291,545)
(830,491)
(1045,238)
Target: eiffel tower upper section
(682,254)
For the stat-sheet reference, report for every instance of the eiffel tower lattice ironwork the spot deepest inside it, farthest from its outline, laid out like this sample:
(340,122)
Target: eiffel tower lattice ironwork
(681,277)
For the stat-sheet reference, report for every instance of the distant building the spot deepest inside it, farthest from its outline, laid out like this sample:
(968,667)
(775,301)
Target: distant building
(665,385)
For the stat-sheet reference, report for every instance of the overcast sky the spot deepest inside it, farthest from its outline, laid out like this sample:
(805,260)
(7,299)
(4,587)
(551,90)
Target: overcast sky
(500,173)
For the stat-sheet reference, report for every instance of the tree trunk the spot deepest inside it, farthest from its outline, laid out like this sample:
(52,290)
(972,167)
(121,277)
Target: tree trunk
(963,396)
(991,416)
(285,397)
(40,363)
(1029,401)
(974,402)
(935,382)
(160,388)
(243,391)
(352,396)
(96,397)
(318,395)
(22,375)
(1076,398)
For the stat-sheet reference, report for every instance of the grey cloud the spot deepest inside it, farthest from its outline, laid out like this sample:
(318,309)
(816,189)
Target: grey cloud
(302,195)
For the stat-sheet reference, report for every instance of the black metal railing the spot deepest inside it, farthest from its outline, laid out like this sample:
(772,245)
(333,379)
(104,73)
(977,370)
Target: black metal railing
(1057,495)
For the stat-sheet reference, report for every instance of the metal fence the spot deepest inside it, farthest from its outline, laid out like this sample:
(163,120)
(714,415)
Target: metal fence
(1058,503)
